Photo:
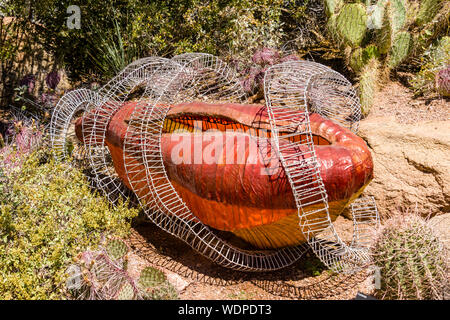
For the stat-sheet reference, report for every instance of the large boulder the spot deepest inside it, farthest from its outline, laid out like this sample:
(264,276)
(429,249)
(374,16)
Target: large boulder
(411,164)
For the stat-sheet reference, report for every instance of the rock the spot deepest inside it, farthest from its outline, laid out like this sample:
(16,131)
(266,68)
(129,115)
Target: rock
(177,281)
(441,224)
(411,165)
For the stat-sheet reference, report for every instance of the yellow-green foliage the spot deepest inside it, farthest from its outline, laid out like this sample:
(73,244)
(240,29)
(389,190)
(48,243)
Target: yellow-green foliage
(48,214)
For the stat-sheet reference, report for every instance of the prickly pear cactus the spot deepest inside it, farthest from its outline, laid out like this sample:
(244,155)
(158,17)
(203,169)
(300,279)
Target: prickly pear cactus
(369,84)
(126,292)
(332,6)
(400,49)
(116,249)
(351,23)
(391,31)
(361,56)
(397,12)
(151,277)
(385,33)
(427,10)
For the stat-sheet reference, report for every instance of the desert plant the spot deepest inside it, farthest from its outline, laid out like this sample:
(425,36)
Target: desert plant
(431,77)
(391,31)
(252,74)
(103,275)
(48,213)
(369,83)
(443,81)
(411,258)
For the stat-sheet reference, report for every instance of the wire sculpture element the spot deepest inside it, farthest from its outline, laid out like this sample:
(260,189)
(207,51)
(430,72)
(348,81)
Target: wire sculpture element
(288,87)
(135,161)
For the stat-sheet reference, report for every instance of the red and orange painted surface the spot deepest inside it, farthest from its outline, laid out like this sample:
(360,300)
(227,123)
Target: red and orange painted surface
(220,159)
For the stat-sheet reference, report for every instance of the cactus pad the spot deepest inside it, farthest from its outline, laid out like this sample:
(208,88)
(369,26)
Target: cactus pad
(400,49)
(351,23)
(368,84)
(397,11)
(151,277)
(126,292)
(331,6)
(375,15)
(360,57)
(116,249)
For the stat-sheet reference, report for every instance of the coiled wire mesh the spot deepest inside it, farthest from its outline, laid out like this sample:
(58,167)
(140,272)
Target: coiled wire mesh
(301,86)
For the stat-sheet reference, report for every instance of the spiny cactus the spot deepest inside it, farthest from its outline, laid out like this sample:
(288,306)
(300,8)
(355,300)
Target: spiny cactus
(411,258)
(375,15)
(351,23)
(388,30)
(126,292)
(397,10)
(116,249)
(369,84)
(332,6)
(361,56)
(434,60)
(400,49)
(154,285)
(103,276)
(385,33)
(253,76)
(443,81)
(428,9)
(151,277)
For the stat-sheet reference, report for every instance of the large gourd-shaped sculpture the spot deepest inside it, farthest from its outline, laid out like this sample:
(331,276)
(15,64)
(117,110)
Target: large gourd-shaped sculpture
(207,166)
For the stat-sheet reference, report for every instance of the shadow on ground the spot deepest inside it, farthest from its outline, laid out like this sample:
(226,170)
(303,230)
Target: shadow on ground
(306,279)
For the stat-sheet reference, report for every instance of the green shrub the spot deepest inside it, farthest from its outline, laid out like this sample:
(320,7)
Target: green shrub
(48,214)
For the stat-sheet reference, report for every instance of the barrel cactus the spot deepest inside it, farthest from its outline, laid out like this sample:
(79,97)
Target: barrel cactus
(411,258)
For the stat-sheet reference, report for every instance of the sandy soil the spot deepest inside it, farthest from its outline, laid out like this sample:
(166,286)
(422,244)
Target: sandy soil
(397,100)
